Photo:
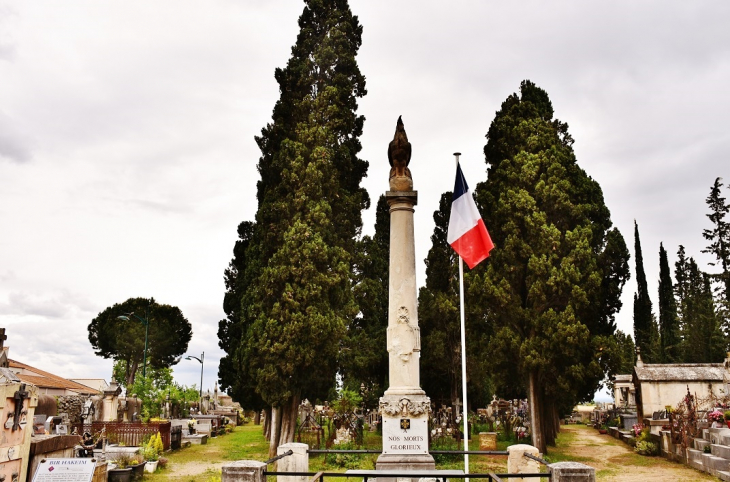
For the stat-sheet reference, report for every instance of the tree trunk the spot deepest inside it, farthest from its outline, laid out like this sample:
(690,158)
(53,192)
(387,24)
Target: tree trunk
(289,413)
(257,417)
(275,430)
(267,423)
(536,418)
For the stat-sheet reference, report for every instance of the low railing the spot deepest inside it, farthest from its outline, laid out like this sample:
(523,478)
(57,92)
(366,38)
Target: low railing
(490,476)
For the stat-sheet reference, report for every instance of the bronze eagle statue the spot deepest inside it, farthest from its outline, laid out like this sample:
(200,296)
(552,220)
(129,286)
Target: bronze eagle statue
(399,152)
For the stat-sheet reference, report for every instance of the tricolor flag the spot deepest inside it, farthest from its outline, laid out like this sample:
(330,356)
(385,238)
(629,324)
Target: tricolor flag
(467,233)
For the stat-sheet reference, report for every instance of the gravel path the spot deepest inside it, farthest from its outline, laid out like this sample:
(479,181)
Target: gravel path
(615,461)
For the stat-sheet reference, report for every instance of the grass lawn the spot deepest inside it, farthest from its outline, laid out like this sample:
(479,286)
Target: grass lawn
(244,443)
(201,463)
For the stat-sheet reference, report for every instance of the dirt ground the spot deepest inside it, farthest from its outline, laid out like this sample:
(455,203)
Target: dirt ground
(615,461)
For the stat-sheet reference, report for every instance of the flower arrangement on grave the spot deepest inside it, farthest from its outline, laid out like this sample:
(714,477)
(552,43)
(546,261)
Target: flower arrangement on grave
(715,416)
(191,425)
(637,428)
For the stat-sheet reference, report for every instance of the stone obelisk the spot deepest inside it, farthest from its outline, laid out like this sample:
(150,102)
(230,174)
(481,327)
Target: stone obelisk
(404,405)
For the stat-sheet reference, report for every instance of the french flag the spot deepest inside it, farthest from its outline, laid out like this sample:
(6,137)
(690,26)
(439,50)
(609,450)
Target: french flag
(467,233)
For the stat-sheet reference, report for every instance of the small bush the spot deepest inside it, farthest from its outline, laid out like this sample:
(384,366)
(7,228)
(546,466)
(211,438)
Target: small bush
(646,448)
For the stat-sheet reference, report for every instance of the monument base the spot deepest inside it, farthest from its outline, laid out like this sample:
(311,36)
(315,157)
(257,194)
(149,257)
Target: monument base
(401,463)
(405,433)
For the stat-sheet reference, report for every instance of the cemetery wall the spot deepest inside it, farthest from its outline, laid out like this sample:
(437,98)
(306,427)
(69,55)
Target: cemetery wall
(71,405)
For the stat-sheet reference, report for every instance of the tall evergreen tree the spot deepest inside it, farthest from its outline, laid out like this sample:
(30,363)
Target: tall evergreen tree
(645,329)
(363,359)
(703,340)
(550,226)
(719,238)
(440,324)
(298,300)
(670,341)
(231,329)
(438,307)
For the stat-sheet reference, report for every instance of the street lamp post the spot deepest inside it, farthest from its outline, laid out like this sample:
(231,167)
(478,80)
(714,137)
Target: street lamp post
(145,321)
(201,359)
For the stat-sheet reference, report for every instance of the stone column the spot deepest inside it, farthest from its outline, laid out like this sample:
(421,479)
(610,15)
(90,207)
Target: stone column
(404,406)
(110,402)
(404,338)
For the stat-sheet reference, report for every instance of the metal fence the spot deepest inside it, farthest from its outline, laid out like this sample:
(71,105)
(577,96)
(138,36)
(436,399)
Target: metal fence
(365,475)
(490,476)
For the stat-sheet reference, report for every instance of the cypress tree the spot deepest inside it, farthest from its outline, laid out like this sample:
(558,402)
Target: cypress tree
(645,329)
(668,320)
(550,226)
(719,238)
(703,340)
(363,359)
(232,328)
(299,301)
(438,307)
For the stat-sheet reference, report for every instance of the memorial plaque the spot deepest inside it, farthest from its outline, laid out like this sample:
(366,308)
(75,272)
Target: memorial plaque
(410,440)
(65,470)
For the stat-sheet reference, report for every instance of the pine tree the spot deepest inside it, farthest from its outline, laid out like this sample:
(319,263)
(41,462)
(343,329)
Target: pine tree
(298,301)
(668,321)
(550,226)
(645,329)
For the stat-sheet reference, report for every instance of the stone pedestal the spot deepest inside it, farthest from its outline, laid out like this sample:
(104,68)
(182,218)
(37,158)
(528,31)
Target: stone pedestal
(517,463)
(243,471)
(404,406)
(572,472)
(487,440)
(298,461)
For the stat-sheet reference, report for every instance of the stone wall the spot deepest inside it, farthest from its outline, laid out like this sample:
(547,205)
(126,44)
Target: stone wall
(72,405)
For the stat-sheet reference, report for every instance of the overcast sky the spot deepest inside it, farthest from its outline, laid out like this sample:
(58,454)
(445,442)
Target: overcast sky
(127,153)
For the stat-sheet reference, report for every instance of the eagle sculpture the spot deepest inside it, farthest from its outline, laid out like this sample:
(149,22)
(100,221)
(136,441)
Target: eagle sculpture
(399,154)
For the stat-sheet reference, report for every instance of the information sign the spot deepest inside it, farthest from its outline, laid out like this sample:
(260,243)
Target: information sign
(65,470)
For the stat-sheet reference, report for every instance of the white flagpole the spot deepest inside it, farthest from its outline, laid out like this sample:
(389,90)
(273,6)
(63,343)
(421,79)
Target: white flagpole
(463,353)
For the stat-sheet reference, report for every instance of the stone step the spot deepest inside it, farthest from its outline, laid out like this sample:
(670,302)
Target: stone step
(695,459)
(714,464)
(700,444)
(716,434)
(724,475)
(720,450)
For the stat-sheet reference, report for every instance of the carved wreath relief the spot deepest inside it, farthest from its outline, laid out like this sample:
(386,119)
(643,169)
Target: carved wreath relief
(404,407)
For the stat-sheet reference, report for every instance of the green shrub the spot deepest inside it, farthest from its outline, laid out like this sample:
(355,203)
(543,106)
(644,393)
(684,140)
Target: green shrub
(646,448)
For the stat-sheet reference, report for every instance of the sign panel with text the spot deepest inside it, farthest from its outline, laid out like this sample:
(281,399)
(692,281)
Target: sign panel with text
(65,470)
(405,435)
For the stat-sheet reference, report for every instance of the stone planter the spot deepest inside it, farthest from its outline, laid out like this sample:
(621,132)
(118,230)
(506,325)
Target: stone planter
(150,466)
(120,475)
(137,471)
